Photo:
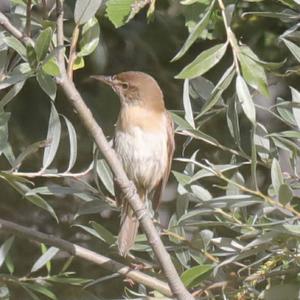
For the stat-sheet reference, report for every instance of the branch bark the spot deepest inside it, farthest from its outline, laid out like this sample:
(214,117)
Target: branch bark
(88,255)
(128,188)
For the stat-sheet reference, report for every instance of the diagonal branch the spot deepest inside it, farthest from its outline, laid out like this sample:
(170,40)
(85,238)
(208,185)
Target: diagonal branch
(88,255)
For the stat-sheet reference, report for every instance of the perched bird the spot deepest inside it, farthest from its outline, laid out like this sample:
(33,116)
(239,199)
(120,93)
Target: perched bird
(144,142)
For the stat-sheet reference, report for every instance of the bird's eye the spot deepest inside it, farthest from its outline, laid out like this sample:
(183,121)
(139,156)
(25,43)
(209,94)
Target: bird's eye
(125,85)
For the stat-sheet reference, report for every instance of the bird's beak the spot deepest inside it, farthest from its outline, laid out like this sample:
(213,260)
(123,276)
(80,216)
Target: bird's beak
(106,79)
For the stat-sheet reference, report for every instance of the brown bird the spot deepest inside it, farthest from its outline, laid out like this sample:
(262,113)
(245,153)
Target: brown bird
(144,142)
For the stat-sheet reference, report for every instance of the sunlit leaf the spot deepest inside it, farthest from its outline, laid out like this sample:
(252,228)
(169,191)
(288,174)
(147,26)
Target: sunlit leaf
(53,137)
(118,10)
(245,99)
(89,37)
(85,10)
(276,175)
(187,104)
(73,144)
(44,259)
(203,62)
(295,50)
(253,73)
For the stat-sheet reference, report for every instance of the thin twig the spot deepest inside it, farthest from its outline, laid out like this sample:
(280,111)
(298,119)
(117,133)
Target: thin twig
(231,37)
(73,54)
(257,193)
(6,24)
(28,19)
(86,254)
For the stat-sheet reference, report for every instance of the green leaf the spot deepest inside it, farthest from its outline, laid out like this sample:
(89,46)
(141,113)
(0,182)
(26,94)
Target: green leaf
(296,111)
(182,123)
(187,104)
(4,249)
(11,94)
(89,37)
(47,83)
(276,175)
(78,63)
(105,175)
(253,73)
(13,79)
(15,44)
(194,275)
(183,179)
(245,99)
(85,10)
(32,57)
(40,289)
(203,62)
(295,50)
(42,43)
(196,32)
(216,94)
(73,144)
(51,67)
(117,11)
(23,189)
(44,259)
(4,118)
(105,235)
(285,194)
(53,137)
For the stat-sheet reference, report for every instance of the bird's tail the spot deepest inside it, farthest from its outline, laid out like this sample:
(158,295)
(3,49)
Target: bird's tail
(128,231)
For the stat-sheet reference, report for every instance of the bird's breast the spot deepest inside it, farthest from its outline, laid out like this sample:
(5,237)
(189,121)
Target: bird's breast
(143,151)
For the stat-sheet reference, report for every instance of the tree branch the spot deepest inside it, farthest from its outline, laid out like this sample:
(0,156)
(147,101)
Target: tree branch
(73,54)
(127,187)
(88,255)
(28,19)
(6,24)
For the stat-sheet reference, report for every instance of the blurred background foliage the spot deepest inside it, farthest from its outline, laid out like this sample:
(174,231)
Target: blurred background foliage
(230,215)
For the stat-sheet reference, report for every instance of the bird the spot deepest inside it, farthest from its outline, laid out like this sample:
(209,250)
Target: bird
(144,143)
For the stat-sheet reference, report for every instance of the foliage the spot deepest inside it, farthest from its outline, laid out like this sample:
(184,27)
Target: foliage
(234,232)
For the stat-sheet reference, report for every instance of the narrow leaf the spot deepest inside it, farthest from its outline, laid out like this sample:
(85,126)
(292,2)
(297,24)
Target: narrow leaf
(203,62)
(196,32)
(276,175)
(44,259)
(73,144)
(187,104)
(245,99)
(296,110)
(4,249)
(53,137)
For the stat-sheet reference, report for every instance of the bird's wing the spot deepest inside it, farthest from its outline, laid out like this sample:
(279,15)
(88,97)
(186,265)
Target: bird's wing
(170,147)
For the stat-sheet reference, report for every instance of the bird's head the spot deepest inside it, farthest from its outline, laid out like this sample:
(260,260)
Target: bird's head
(135,88)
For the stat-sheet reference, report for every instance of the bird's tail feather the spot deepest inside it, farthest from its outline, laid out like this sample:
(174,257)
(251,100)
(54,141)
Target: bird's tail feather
(128,231)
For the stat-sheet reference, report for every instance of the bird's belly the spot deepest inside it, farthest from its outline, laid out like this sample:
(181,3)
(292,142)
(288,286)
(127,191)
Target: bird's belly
(143,155)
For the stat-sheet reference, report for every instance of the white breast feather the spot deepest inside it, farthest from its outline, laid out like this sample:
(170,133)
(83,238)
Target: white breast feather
(144,155)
